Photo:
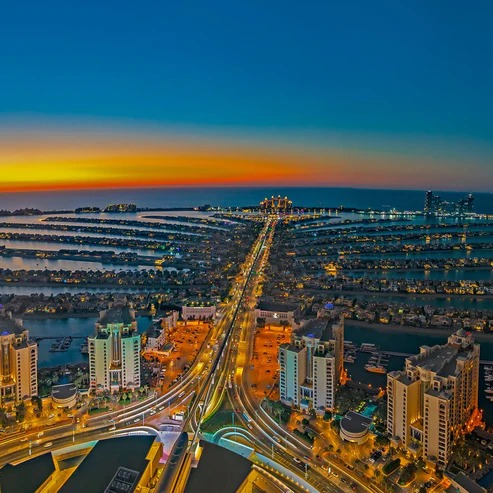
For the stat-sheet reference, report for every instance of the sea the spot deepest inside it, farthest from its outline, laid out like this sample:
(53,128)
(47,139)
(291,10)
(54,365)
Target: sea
(235,197)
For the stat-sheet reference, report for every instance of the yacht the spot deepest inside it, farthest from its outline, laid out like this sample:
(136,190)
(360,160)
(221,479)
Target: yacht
(375,369)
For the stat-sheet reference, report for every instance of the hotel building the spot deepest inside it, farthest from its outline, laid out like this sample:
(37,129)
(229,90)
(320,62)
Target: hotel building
(157,335)
(18,361)
(114,350)
(431,402)
(198,310)
(311,366)
(275,313)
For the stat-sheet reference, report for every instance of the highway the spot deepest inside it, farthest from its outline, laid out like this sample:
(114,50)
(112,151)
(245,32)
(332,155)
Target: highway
(220,370)
(270,438)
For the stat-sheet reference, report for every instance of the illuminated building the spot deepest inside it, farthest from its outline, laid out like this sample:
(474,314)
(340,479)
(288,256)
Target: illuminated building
(157,335)
(114,350)
(198,310)
(436,206)
(430,403)
(18,361)
(276,205)
(275,313)
(311,366)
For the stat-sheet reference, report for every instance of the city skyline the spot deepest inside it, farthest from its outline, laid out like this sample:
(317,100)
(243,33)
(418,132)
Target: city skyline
(332,95)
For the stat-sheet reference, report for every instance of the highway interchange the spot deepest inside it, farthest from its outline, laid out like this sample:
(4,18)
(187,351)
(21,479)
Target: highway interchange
(219,371)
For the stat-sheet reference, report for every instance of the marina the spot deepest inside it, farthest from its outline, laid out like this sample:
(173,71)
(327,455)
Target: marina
(61,344)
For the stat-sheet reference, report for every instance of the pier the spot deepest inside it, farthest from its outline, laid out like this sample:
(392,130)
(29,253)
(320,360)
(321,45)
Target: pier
(406,355)
(44,338)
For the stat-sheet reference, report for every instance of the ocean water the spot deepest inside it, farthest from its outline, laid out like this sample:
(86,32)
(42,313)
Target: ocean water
(234,197)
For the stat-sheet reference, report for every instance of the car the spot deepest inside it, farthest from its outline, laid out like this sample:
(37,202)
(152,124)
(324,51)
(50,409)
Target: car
(353,486)
(343,479)
(136,420)
(152,412)
(297,460)
(112,428)
(307,458)
(51,416)
(49,444)
(40,434)
(23,439)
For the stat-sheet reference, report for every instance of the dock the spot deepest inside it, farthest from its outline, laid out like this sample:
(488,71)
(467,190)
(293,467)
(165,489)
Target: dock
(406,355)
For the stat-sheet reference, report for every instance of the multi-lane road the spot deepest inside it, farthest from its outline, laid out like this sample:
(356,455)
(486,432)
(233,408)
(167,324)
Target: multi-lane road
(219,370)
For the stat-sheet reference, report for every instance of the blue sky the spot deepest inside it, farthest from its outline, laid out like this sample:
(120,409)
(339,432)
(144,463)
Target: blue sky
(372,74)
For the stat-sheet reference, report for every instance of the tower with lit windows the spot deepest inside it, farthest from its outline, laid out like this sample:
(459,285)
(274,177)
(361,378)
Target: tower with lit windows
(114,350)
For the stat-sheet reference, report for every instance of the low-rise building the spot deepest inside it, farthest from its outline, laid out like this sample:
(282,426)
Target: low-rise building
(274,312)
(157,335)
(198,310)
(354,427)
(64,396)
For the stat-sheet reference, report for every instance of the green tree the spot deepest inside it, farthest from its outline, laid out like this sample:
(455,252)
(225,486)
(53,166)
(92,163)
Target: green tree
(20,412)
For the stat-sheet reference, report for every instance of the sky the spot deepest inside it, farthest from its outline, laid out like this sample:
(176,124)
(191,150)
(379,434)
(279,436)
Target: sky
(367,94)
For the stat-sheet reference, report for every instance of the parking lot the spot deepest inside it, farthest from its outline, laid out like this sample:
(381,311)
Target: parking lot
(187,339)
(264,368)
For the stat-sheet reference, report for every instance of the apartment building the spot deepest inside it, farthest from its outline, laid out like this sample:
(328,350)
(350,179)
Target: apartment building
(114,350)
(311,365)
(431,401)
(18,361)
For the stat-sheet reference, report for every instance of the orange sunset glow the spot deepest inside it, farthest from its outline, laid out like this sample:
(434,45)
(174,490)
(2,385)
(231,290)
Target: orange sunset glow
(44,162)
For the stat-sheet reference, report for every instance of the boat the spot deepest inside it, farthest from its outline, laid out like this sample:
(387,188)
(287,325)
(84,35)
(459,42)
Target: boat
(368,348)
(488,378)
(375,369)
(488,390)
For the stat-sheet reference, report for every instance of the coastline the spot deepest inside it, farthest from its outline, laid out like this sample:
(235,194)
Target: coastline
(403,295)
(48,316)
(408,329)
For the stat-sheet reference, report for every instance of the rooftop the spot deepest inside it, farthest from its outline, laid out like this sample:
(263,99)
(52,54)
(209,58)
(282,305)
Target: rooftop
(276,306)
(128,452)
(402,377)
(468,484)
(355,423)
(9,325)
(291,347)
(64,391)
(27,476)
(319,328)
(442,360)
